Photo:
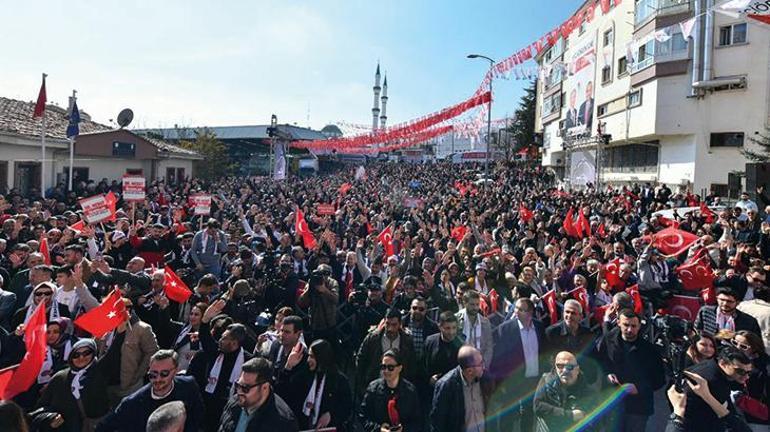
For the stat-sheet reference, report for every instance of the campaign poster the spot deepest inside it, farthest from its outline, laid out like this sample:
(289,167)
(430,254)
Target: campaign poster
(95,209)
(580,87)
(133,188)
(201,204)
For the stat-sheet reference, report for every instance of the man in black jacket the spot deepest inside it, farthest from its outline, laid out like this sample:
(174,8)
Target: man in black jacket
(725,315)
(255,404)
(441,348)
(629,360)
(448,412)
(165,386)
(730,369)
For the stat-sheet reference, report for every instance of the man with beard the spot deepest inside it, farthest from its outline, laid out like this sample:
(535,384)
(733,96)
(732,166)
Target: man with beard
(725,315)
(218,365)
(441,349)
(165,386)
(255,407)
(288,353)
(153,246)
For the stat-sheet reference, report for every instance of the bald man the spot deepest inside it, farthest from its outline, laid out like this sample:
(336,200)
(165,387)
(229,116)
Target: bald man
(561,395)
(458,404)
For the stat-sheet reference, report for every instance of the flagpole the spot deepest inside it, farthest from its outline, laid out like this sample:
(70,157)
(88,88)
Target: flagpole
(42,158)
(72,147)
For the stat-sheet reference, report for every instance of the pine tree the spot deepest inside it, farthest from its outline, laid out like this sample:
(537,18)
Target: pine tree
(216,162)
(763,155)
(523,126)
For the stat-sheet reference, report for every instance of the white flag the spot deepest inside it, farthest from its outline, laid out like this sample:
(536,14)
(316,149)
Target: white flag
(687,27)
(733,8)
(662,35)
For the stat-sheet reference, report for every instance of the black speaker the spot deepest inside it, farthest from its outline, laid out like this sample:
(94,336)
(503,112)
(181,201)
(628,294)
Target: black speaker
(757,174)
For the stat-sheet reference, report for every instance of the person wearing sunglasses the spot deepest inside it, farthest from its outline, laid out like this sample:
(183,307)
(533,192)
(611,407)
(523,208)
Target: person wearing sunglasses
(458,401)
(164,386)
(561,398)
(255,407)
(44,292)
(753,400)
(730,369)
(391,403)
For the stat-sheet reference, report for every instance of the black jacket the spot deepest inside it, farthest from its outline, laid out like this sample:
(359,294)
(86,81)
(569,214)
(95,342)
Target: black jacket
(698,415)
(337,399)
(706,321)
(369,356)
(508,358)
(132,412)
(273,416)
(440,357)
(374,407)
(554,401)
(447,413)
(637,363)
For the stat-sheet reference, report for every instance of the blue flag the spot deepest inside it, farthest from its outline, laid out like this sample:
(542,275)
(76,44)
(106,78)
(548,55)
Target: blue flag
(73,129)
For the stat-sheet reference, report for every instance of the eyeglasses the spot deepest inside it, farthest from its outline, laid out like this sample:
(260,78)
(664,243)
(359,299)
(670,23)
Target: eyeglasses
(569,367)
(389,368)
(44,293)
(78,354)
(740,346)
(158,374)
(417,308)
(741,371)
(245,388)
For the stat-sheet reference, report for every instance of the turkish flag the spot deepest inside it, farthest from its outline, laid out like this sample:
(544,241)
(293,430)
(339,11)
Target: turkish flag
(41,100)
(709,296)
(599,311)
(105,317)
(601,231)
(174,287)
(673,241)
(386,238)
(634,292)
(494,300)
(344,188)
(683,306)
(765,19)
(569,224)
(525,214)
(549,299)
(612,272)
(696,274)
(581,295)
(458,232)
(300,226)
(44,250)
(666,222)
(77,226)
(112,204)
(583,226)
(706,212)
(35,343)
(5,377)
(461,188)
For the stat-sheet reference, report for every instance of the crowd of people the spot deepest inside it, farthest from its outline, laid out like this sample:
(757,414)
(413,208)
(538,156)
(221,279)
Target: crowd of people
(432,299)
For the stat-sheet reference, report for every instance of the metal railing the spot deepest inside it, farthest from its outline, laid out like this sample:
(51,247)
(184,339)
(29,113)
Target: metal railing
(646,9)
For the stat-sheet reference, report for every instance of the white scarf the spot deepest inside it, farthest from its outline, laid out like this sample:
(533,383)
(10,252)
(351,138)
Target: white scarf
(217,369)
(476,330)
(206,241)
(182,335)
(280,347)
(312,404)
(46,372)
(76,385)
(53,311)
(482,289)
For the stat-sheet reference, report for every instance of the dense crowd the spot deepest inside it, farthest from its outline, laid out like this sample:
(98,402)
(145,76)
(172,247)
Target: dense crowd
(432,299)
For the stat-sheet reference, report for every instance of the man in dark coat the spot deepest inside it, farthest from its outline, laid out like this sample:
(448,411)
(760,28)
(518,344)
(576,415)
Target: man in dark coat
(255,404)
(165,386)
(448,413)
(725,315)
(628,359)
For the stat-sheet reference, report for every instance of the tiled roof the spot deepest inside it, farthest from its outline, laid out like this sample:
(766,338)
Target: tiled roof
(16,117)
(164,145)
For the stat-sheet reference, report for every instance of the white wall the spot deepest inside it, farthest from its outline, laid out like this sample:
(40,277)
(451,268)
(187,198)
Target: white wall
(21,149)
(174,163)
(99,168)
(676,159)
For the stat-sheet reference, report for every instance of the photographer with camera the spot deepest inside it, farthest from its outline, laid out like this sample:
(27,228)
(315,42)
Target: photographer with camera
(320,298)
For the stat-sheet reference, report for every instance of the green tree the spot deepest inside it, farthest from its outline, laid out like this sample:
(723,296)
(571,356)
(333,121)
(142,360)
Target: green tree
(763,142)
(216,162)
(522,129)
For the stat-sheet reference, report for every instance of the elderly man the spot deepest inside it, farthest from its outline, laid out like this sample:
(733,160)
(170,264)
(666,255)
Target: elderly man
(134,278)
(561,398)
(458,401)
(569,335)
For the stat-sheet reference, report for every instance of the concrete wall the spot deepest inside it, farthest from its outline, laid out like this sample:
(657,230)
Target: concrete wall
(14,149)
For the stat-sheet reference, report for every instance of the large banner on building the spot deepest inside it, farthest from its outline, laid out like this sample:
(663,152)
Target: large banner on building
(582,168)
(580,87)
(279,170)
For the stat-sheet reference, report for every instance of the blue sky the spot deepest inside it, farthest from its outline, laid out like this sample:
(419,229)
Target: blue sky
(198,63)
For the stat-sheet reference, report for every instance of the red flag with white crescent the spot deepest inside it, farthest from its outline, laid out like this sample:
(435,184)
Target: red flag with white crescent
(683,306)
(638,304)
(673,241)
(44,250)
(300,226)
(525,214)
(35,343)
(41,100)
(104,318)
(549,299)
(581,295)
(174,287)
(612,273)
(386,238)
(696,274)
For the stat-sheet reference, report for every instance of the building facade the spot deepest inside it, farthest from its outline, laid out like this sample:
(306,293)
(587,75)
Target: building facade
(636,100)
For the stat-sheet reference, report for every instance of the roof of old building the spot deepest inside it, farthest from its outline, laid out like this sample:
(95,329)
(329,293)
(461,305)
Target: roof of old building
(16,118)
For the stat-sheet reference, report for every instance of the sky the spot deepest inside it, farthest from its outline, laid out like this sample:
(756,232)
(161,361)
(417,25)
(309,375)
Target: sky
(220,63)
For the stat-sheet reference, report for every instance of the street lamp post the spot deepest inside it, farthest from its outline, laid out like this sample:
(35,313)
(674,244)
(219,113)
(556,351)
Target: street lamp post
(489,116)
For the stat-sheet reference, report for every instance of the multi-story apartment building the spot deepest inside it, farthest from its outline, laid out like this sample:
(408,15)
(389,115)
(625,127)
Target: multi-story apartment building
(629,98)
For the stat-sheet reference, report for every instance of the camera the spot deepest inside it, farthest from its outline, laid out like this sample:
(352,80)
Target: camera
(316,278)
(672,334)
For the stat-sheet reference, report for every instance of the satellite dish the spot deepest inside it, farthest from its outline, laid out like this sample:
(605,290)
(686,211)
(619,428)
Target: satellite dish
(125,117)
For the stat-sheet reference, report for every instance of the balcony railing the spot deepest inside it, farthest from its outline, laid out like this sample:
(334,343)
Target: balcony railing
(646,9)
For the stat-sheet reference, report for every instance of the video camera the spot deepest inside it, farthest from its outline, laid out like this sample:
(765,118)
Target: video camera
(672,334)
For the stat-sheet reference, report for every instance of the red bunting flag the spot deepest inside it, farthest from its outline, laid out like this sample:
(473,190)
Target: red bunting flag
(300,226)
(44,249)
(634,292)
(549,299)
(174,287)
(525,214)
(41,100)
(35,343)
(673,241)
(386,238)
(105,317)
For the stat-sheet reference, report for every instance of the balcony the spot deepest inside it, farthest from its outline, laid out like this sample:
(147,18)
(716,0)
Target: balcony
(652,52)
(648,9)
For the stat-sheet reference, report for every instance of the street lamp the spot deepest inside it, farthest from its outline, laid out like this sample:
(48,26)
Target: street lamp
(489,114)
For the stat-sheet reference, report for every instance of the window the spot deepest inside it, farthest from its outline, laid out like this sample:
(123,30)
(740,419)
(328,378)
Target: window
(551,104)
(635,98)
(633,158)
(602,109)
(607,39)
(548,55)
(732,34)
(727,139)
(606,74)
(674,46)
(622,66)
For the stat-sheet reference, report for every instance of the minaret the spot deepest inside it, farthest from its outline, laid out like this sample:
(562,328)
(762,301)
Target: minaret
(376,109)
(384,116)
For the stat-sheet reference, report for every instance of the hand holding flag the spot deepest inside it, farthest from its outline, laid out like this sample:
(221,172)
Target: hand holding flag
(105,317)
(174,287)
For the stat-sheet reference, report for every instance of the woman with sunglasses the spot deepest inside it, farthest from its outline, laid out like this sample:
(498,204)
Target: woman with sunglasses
(702,348)
(75,399)
(561,398)
(321,396)
(757,389)
(391,403)
(43,292)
